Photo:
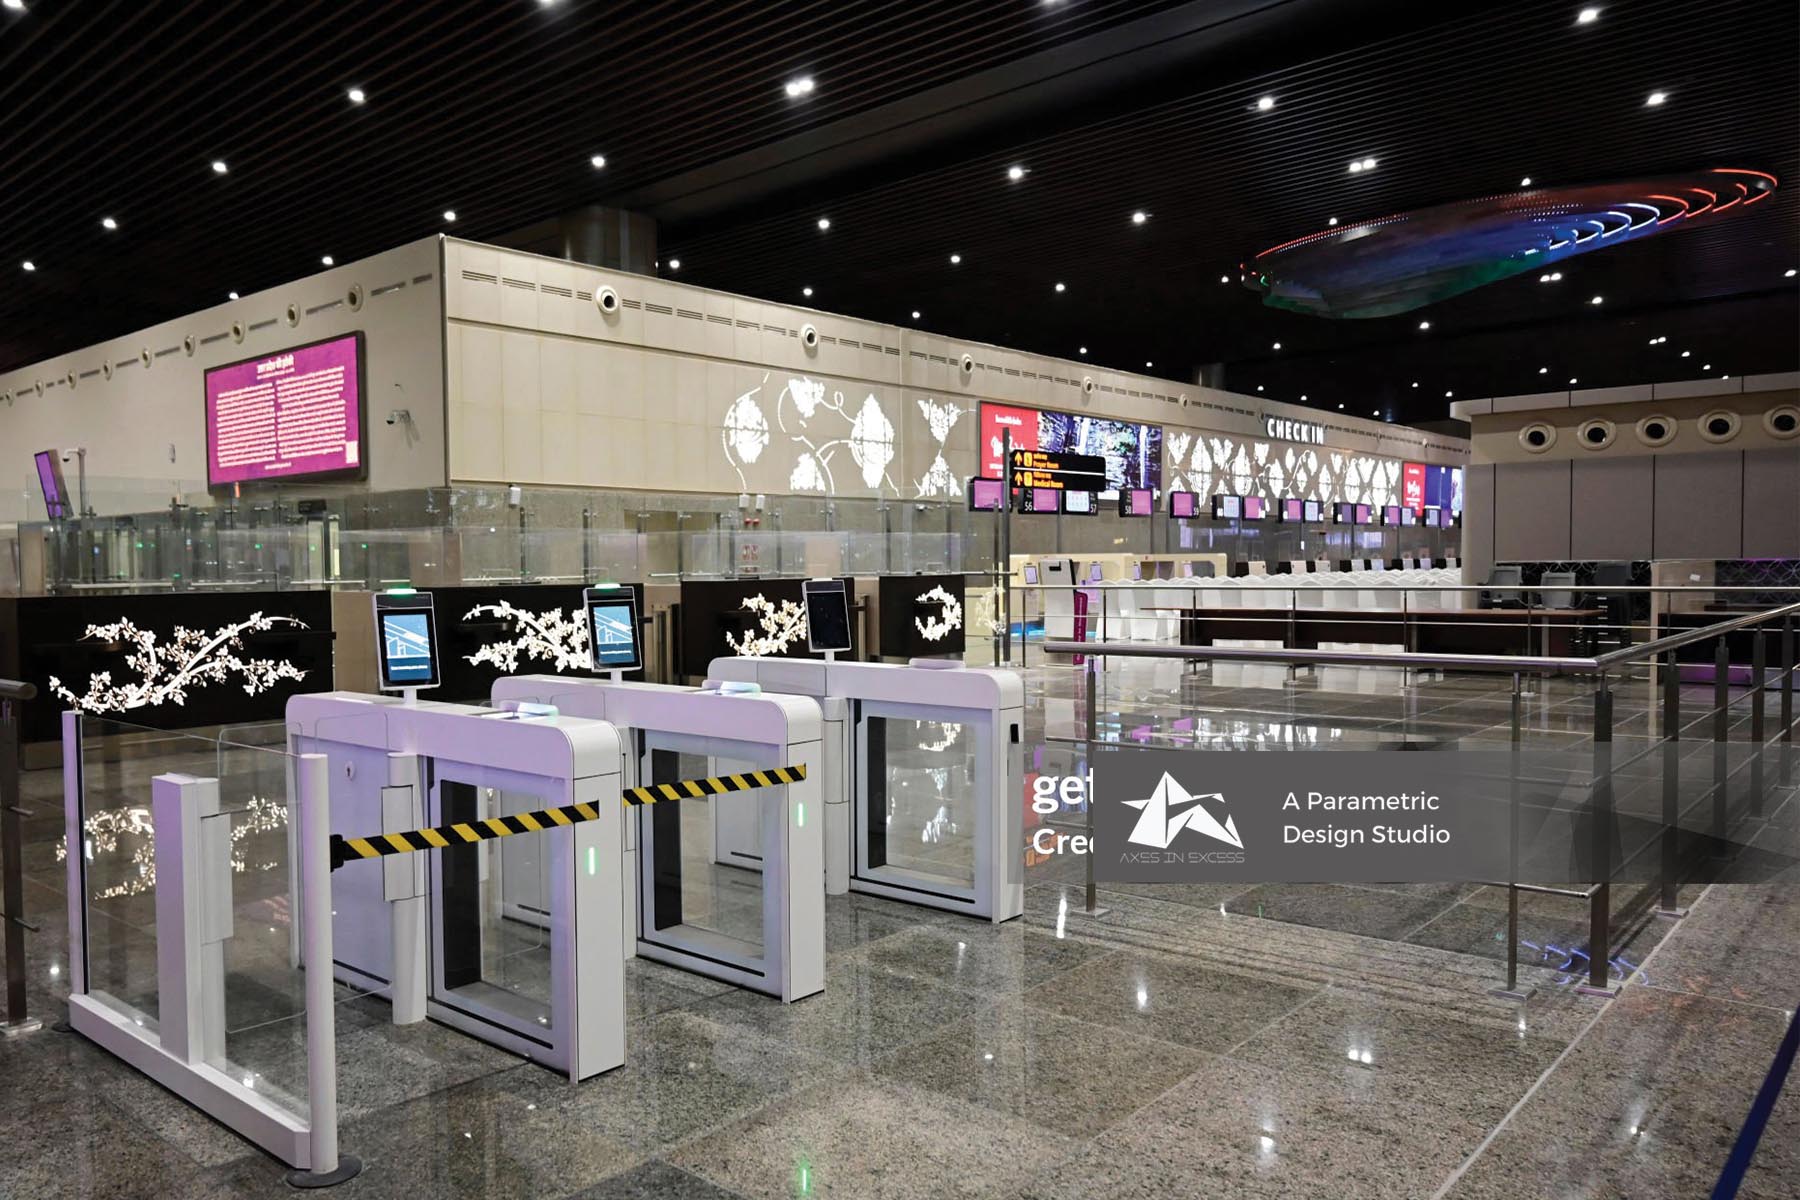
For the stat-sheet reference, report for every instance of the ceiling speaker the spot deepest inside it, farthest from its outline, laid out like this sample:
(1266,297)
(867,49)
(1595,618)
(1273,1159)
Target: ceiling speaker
(354,297)
(967,364)
(607,301)
(809,338)
(1537,437)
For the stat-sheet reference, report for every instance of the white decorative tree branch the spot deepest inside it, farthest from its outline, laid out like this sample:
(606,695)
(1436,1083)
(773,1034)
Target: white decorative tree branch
(167,671)
(946,622)
(557,637)
(781,628)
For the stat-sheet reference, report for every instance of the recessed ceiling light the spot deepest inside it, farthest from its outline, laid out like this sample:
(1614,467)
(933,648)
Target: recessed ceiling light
(1545,278)
(1355,167)
(1259,387)
(1333,221)
(597,161)
(955,258)
(1276,346)
(14,5)
(1358,166)
(1424,324)
(1655,98)
(1148,364)
(1139,217)
(108,223)
(231,295)
(1525,182)
(1303,397)
(1340,408)
(219,167)
(356,95)
(801,85)
(1556,277)
(824,224)
(1015,172)
(1587,16)
(806,291)
(449,214)
(1265,104)
(1059,287)
(328,260)
(674,264)
(1788,274)
(1685,353)
(1415,383)
(1706,367)
(1543,370)
(1572,379)
(1598,300)
(915,314)
(1448,394)
(1227,278)
(1376,413)
(1082,350)
(28,265)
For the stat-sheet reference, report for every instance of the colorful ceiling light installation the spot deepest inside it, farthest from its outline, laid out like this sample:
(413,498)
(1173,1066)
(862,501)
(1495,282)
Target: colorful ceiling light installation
(1399,263)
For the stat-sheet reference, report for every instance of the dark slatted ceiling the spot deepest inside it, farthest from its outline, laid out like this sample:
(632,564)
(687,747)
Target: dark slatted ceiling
(493,107)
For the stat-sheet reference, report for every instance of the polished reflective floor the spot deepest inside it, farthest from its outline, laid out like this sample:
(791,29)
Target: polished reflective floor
(1293,1041)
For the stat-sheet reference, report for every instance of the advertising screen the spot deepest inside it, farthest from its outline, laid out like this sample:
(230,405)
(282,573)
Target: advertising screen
(1133,452)
(1292,509)
(1412,485)
(1227,507)
(1444,488)
(987,495)
(287,415)
(1255,508)
(1184,504)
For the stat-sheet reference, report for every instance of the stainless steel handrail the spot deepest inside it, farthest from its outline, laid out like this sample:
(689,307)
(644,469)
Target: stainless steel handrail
(17,689)
(1505,664)
(1674,641)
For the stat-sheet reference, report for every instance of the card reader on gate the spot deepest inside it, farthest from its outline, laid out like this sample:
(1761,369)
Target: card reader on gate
(733,687)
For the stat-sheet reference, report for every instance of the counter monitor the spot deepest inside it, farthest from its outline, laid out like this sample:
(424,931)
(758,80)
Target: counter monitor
(406,636)
(827,615)
(614,640)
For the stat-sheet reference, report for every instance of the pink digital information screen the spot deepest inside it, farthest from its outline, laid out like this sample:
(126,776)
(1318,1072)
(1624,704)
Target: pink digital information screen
(294,413)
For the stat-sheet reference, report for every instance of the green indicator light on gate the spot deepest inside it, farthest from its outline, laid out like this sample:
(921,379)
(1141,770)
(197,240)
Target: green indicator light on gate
(400,591)
(801,810)
(593,861)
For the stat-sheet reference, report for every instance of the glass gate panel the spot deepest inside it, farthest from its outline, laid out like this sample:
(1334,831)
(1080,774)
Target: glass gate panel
(921,798)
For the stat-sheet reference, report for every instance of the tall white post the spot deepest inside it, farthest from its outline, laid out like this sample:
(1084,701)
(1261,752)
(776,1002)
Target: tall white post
(313,792)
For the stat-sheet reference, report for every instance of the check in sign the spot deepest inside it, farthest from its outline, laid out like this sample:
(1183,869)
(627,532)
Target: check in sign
(1065,472)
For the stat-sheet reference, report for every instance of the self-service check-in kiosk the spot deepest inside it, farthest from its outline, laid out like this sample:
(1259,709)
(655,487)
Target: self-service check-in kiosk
(692,746)
(426,798)
(924,791)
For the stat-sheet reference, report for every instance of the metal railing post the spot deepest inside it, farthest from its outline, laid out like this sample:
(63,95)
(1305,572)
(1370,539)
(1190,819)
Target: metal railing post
(1090,899)
(12,696)
(1787,700)
(1668,901)
(325,1166)
(1721,736)
(1600,842)
(1759,662)
(1512,990)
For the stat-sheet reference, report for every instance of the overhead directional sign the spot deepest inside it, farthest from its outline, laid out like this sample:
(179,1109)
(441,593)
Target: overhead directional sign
(1063,472)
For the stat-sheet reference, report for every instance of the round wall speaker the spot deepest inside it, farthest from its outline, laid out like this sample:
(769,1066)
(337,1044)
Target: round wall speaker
(607,301)
(1537,437)
(1782,421)
(237,331)
(292,316)
(354,297)
(809,338)
(70,380)
(189,345)
(145,357)
(1088,385)
(39,387)
(1657,430)
(106,369)
(1183,400)
(966,364)
(1596,434)
(1720,425)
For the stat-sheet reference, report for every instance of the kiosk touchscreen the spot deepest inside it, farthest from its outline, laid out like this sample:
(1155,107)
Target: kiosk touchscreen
(1031,574)
(406,640)
(827,615)
(612,624)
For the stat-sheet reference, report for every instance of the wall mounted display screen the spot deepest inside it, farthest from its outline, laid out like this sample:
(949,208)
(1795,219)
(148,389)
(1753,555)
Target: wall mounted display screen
(1315,510)
(613,636)
(1343,514)
(1133,452)
(827,604)
(1431,519)
(986,495)
(50,482)
(1390,514)
(1040,500)
(1444,488)
(1364,514)
(1412,485)
(1408,516)
(1137,502)
(1227,507)
(1184,504)
(1292,509)
(1079,502)
(295,414)
(1255,508)
(406,636)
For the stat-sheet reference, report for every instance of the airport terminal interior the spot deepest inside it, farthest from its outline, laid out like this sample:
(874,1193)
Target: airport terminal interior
(1018,599)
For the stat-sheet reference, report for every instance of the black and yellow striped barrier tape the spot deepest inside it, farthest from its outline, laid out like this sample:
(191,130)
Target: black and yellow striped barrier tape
(347,849)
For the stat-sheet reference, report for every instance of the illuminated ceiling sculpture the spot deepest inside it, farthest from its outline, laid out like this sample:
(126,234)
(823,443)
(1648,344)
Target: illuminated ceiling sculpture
(1399,263)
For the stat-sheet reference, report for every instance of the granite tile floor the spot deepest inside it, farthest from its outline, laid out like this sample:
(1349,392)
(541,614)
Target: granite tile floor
(1296,1041)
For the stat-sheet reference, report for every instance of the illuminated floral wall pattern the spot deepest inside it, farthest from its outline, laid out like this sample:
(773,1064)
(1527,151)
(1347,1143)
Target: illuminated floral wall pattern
(1211,464)
(558,637)
(820,430)
(191,658)
(939,480)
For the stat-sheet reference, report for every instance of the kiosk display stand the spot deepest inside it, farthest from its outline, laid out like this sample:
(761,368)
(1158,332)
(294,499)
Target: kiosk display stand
(827,617)
(757,917)
(428,928)
(614,644)
(928,805)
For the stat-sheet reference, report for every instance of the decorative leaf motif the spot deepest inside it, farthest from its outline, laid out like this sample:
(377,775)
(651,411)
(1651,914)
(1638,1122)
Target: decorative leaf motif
(946,622)
(781,628)
(166,671)
(557,637)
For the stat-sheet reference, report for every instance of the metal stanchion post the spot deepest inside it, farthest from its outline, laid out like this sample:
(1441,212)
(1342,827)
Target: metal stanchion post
(312,792)
(1787,700)
(1600,842)
(1668,903)
(1721,739)
(1512,991)
(1759,662)
(12,696)
(1091,905)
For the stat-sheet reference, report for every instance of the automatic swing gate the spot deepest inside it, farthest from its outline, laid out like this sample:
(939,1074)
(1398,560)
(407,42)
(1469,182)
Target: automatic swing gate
(924,779)
(427,930)
(765,933)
